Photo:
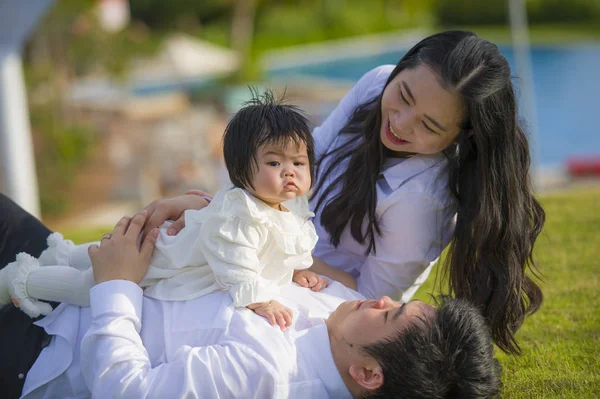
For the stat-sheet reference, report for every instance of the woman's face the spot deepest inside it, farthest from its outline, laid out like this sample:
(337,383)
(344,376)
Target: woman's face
(419,116)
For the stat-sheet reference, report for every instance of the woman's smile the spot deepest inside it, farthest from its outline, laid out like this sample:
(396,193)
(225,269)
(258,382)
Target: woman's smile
(393,136)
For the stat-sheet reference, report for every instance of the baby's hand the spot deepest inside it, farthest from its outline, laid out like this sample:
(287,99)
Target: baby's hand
(273,311)
(309,279)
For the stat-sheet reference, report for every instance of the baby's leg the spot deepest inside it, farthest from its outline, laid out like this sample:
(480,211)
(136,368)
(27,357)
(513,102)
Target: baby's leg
(27,285)
(61,284)
(61,252)
(65,253)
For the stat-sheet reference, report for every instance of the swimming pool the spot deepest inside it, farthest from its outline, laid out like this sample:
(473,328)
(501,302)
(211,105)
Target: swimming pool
(567,93)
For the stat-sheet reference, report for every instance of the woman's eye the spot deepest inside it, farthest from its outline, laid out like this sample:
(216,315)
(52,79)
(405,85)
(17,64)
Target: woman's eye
(273,163)
(403,98)
(430,130)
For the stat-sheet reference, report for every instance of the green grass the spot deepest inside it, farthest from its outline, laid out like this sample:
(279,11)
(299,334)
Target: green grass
(540,34)
(560,343)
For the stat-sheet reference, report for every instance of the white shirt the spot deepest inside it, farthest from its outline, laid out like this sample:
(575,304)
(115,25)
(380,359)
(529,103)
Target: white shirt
(414,206)
(237,243)
(140,347)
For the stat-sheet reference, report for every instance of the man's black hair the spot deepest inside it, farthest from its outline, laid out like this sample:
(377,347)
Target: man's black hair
(449,355)
(262,120)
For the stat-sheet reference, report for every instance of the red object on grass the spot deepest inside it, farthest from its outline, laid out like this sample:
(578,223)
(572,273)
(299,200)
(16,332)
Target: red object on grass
(584,166)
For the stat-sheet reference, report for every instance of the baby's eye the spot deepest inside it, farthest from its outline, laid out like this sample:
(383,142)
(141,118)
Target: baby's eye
(299,163)
(273,163)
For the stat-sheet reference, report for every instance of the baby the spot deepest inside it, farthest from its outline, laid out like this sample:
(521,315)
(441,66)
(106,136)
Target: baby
(246,240)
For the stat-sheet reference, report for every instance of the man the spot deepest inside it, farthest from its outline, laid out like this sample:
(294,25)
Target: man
(136,347)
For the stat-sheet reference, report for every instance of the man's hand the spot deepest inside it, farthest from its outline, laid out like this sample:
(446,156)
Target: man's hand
(309,279)
(172,209)
(118,257)
(273,311)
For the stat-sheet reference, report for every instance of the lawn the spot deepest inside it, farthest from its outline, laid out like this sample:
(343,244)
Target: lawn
(560,343)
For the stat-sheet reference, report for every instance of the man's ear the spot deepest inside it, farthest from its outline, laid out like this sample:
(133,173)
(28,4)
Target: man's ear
(370,378)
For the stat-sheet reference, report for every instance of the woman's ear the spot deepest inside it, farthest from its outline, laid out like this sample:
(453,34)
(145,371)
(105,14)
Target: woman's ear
(369,378)
(464,134)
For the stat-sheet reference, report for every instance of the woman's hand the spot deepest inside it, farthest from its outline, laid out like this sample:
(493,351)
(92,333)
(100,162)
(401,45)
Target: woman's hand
(172,209)
(118,256)
(274,312)
(309,279)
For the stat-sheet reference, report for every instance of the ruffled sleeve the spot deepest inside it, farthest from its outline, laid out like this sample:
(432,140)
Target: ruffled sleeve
(231,246)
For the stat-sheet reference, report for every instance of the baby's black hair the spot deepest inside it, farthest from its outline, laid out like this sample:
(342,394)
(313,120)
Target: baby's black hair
(263,119)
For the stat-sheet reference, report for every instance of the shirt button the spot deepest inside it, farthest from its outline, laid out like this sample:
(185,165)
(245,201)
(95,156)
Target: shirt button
(21,376)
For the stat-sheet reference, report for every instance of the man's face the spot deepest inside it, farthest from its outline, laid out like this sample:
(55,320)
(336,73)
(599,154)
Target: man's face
(367,322)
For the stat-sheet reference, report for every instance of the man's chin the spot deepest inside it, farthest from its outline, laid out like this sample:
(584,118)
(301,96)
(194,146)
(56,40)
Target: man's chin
(345,308)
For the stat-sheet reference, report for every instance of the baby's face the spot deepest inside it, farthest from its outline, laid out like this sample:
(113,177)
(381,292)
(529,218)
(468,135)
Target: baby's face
(283,173)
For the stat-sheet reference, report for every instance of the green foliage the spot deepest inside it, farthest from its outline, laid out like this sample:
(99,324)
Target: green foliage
(540,34)
(467,12)
(560,343)
(288,23)
(87,49)
(61,148)
(69,43)
(495,12)
(164,15)
(281,23)
(561,11)
(285,24)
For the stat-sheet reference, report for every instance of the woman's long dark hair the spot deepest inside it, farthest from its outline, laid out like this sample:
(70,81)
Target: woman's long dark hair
(498,217)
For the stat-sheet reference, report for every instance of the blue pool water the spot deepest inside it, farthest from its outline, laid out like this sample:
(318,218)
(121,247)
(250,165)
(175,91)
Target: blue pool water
(567,92)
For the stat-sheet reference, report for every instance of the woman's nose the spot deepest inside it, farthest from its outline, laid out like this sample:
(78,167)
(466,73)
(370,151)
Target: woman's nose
(403,123)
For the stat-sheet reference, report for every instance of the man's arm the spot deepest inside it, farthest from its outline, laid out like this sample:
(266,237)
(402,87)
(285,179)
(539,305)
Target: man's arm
(116,364)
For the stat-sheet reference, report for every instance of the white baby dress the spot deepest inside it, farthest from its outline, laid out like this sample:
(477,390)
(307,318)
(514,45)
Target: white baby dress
(236,243)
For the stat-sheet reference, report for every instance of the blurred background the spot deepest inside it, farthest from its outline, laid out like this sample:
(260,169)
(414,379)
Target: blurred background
(125,101)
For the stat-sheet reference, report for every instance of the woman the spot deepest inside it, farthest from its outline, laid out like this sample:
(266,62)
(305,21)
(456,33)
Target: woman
(422,155)
(409,149)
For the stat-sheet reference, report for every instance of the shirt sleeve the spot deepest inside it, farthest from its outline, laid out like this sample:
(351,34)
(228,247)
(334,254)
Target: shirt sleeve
(368,86)
(231,247)
(117,364)
(415,230)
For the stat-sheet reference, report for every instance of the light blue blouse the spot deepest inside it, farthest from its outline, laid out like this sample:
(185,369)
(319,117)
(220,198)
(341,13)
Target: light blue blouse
(414,205)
